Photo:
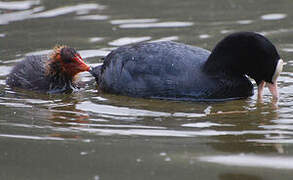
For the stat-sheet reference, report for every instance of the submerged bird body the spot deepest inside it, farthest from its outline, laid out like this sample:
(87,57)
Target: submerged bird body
(166,70)
(169,70)
(52,74)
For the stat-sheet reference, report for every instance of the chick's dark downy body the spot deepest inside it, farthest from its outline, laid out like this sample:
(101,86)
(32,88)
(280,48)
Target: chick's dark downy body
(31,74)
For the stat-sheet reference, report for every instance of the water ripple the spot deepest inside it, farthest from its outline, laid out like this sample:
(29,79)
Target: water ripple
(132,21)
(29,101)
(116,126)
(18,16)
(18,5)
(277,126)
(128,40)
(117,111)
(278,31)
(278,162)
(169,38)
(271,17)
(283,121)
(93,53)
(204,124)
(15,105)
(69,9)
(174,133)
(4,70)
(244,21)
(171,24)
(31,137)
(93,17)
(95,39)
(150,132)
(204,36)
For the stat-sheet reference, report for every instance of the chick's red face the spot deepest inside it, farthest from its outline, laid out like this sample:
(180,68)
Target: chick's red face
(72,62)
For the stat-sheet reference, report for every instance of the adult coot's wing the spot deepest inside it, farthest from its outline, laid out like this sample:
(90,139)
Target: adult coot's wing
(163,69)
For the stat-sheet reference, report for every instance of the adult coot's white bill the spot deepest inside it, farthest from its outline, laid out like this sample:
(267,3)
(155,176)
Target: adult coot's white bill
(53,74)
(169,70)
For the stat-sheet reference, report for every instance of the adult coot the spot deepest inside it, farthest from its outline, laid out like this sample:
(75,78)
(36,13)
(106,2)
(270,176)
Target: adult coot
(53,74)
(169,70)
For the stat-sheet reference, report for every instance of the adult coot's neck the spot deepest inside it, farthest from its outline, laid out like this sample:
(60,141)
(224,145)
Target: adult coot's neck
(244,53)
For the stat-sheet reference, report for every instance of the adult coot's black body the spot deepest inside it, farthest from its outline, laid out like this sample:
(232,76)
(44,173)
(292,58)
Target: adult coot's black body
(169,70)
(52,74)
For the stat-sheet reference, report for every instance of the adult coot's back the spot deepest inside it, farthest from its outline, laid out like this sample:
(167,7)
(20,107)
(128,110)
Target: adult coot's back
(169,70)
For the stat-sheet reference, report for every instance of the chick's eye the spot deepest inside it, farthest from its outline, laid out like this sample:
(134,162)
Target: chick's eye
(67,55)
(67,60)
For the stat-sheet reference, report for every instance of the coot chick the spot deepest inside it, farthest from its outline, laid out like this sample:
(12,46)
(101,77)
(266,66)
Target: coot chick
(169,70)
(52,74)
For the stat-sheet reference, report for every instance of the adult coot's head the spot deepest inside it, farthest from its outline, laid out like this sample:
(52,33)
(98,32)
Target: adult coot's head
(66,60)
(247,53)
